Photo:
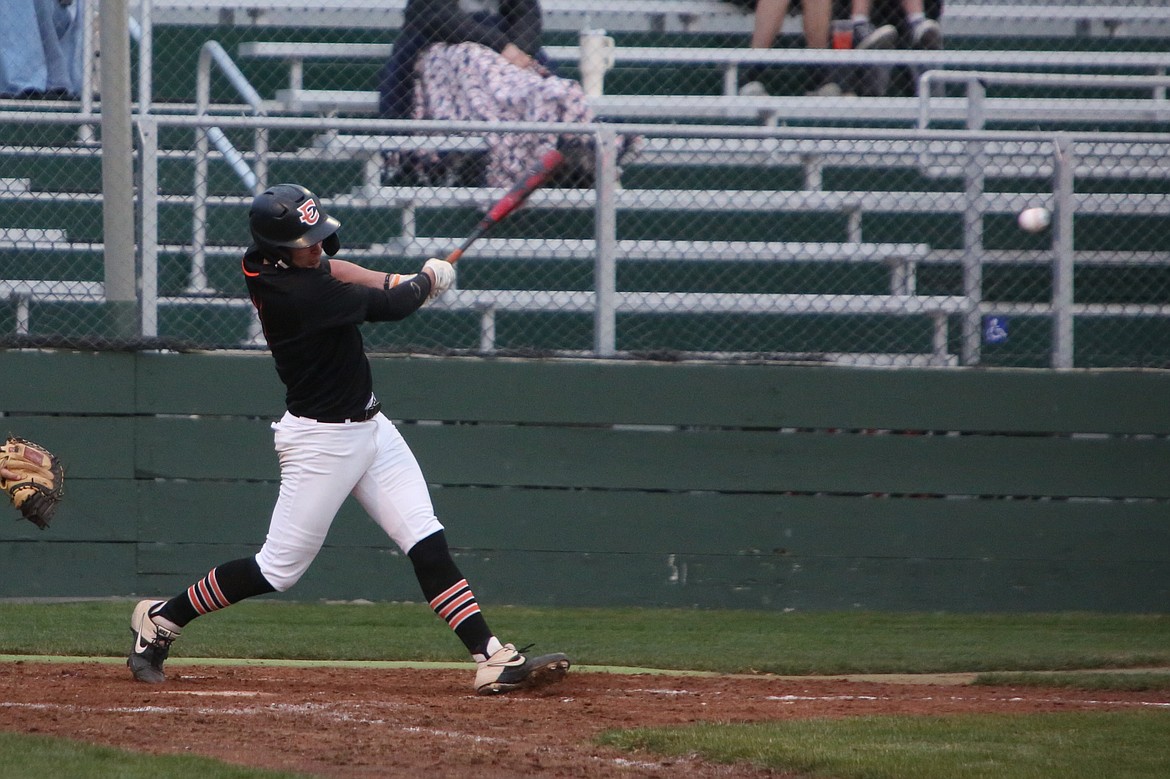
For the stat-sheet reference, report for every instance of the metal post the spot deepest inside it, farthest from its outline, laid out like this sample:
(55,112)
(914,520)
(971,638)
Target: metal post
(211,52)
(117,167)
(973,185)
(1064,169)
(145,56)
(260,160)
(976,103)
(197,283)
(731,78)
(148,223)
(487,330)
(88,18)
(605,232)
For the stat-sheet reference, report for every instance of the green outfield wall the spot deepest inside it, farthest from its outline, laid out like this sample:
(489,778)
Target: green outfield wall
(569,483)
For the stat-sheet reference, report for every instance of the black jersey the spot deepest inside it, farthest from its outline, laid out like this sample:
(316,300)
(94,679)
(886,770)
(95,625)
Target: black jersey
(311,323)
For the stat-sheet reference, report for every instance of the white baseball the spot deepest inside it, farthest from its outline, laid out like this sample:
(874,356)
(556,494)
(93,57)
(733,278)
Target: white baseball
(1033,220)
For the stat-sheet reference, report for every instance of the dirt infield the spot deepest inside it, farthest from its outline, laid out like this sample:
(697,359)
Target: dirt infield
(345,722)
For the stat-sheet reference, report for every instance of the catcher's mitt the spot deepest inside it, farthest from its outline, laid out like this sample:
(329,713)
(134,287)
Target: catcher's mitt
(39,482)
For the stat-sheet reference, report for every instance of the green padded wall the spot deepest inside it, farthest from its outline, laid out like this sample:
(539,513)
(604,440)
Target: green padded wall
(623,483)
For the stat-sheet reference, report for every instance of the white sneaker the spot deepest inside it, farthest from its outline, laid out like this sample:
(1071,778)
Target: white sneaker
(927,35)
(509,670)
(753,89)
(152,644)
(867,37)
(828,89)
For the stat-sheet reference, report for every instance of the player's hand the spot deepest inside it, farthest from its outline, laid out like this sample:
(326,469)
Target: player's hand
(442,275)
(517,56)
(8,475)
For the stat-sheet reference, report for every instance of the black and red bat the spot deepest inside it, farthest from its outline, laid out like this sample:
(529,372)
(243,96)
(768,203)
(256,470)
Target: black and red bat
(533,179)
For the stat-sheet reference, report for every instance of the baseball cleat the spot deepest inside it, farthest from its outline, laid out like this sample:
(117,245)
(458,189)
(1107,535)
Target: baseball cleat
(152,644)
(508,670)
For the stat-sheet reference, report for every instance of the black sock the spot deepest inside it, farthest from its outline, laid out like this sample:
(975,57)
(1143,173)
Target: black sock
(448,593)
(221,587)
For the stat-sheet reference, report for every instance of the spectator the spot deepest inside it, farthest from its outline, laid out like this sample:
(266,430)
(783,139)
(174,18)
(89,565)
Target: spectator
(448,64)
(816,16)
(917,26)
(921,32)
(40,49)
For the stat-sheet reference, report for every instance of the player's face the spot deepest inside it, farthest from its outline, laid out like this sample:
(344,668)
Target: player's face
(309,257)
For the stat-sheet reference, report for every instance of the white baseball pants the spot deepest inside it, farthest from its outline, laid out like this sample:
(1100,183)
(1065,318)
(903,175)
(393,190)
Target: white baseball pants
(320,464)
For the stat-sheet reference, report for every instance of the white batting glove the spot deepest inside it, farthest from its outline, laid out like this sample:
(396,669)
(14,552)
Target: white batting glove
(444,276)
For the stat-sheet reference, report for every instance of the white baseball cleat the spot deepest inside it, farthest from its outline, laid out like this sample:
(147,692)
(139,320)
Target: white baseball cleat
(152,644)
(509,670)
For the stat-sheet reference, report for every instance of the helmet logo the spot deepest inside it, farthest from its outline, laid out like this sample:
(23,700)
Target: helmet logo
(309,213)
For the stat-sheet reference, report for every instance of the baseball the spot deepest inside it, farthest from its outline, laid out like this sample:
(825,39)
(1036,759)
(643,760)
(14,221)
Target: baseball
(1033,220)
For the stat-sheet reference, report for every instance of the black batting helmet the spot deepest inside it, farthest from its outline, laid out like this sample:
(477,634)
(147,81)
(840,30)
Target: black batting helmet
(288,216)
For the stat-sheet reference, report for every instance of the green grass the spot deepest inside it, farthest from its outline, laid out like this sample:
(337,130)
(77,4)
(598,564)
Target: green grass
(1068,745)
(22,756)
(1128,681)
(1009,649)
(720,641)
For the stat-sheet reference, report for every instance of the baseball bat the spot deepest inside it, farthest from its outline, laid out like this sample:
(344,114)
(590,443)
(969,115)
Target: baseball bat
(515,198)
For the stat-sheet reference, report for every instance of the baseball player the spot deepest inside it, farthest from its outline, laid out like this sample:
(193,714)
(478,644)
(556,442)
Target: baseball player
(334,441)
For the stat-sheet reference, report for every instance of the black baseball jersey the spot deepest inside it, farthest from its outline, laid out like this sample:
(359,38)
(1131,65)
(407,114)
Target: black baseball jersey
(311,323)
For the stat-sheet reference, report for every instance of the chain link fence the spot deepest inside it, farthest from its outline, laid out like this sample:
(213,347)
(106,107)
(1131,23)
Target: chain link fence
(858,230)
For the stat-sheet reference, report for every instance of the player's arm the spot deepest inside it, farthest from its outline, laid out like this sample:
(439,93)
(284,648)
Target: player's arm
(439,273)
(389,297)
(352,273)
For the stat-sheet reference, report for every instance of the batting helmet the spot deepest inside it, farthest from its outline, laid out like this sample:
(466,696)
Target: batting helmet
(288,216)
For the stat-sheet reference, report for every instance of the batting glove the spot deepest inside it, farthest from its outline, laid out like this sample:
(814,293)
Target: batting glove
(444,276)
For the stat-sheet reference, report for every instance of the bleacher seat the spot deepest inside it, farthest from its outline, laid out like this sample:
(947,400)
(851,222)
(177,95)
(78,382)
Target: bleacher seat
(414,222)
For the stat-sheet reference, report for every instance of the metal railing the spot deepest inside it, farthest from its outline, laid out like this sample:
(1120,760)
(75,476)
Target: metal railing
(606,300)
(967,154)
(254,177)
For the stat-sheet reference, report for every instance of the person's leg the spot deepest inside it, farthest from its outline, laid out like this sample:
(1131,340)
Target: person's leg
(395,494)
(870,80)
(156,624)
(865,35)
(768,21)
(319,464)
(817,18)
(22,58)
(63,47)
(766,26)
(924,33)
(472,82)
(546,100)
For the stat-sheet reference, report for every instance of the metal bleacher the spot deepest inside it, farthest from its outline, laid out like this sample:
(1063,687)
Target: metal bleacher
(928,135)
(963,17)
(769,110)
